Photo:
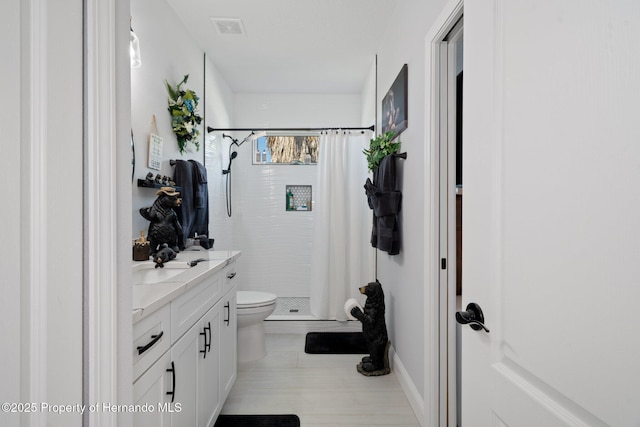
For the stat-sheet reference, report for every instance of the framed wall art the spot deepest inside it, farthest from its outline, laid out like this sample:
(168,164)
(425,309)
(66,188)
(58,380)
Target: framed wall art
(394,105)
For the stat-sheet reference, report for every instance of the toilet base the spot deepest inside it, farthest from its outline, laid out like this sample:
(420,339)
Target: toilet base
(251,343)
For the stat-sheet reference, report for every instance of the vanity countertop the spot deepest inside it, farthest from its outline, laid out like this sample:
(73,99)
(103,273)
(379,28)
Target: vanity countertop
(148,297)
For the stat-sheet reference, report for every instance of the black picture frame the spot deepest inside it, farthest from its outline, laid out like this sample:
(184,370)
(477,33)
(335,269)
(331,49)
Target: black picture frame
(394,105)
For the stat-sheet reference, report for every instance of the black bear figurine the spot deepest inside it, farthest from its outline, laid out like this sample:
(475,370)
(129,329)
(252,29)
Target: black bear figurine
(164,226)
(374,330)
(164,255)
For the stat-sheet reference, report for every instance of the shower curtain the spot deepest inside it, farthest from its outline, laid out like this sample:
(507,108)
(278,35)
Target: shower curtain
(342,258)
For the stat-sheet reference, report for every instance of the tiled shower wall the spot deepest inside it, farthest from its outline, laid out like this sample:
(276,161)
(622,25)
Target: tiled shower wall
(276,243)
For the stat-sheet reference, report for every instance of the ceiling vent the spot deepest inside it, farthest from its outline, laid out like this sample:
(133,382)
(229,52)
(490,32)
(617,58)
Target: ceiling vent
(228,26)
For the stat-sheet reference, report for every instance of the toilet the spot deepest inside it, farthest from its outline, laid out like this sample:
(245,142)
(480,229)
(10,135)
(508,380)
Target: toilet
(253,308)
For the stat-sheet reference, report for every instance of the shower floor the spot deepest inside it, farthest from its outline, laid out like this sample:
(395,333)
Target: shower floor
(292,308)
(293,316)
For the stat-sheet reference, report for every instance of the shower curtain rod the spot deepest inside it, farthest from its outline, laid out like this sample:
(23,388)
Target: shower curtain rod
(210,129)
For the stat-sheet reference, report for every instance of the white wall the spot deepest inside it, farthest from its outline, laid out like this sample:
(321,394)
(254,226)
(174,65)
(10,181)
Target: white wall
(41,168)
(64,155)
(276,244)
(10,170)
(403,275)
(218,114)
(168,52)
(368,98)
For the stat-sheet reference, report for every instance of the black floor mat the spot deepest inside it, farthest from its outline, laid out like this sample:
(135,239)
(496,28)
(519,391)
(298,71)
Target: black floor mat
(335,343)
(257,421)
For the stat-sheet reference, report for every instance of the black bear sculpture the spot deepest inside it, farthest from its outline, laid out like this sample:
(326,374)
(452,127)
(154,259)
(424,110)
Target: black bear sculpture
(164,226)
(374,330)
(164,255)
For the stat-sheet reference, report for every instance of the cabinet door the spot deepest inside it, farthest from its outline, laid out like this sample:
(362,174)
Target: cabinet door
(228,344)
(150,392)
(184,355)
(208,367)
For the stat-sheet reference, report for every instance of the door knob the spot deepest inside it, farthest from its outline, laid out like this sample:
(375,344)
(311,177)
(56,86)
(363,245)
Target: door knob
(472,317)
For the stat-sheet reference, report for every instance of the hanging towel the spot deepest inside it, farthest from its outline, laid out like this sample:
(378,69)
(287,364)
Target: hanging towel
(385,201)
(200,199)
(194,210)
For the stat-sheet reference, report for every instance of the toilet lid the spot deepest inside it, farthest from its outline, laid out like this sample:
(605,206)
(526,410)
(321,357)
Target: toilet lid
(249,299)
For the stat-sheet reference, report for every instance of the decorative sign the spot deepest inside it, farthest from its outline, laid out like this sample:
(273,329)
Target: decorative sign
(155,151)
(155,146)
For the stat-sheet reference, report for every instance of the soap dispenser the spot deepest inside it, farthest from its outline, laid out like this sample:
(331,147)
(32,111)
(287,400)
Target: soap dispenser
(141,248)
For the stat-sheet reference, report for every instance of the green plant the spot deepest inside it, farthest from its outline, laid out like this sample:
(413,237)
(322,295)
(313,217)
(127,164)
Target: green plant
(379,147)
(183,106)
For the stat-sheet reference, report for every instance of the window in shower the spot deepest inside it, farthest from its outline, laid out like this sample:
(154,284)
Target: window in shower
(286,149)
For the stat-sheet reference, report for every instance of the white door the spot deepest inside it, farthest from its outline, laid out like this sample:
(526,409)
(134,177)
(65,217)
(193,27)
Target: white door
(209,366)
(185,355)
(228,344)
(552,213)
(150,395)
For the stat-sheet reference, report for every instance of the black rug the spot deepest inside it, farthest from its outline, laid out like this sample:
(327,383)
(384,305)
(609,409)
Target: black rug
(335,343)
(257,421)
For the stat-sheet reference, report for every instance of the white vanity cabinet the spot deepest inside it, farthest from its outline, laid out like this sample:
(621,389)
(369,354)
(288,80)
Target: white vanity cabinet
(191,368)
(228,332)
(209,369)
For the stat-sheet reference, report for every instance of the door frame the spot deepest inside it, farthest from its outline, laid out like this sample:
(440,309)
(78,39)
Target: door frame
(107,328)
(439,386)
(447,223)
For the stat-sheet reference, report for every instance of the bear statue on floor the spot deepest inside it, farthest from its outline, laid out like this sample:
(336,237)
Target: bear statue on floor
(164,226)
(374,330)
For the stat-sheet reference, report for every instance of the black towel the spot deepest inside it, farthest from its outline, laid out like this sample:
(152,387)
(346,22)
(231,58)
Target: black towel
(385,201)
(194,211)
(200,189)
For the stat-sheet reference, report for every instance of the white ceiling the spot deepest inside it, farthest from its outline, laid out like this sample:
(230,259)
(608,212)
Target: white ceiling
(291,46)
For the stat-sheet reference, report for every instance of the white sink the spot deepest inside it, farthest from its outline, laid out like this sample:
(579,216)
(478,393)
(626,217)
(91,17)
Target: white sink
(147,273)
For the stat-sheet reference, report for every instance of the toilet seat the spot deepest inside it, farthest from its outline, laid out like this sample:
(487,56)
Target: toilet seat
(253,299)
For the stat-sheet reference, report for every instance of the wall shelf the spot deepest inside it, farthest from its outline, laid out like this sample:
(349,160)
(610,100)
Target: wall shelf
(144,183)
(302,198)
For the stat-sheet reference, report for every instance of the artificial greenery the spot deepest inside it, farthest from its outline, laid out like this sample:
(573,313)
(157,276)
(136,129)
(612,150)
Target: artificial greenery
(380,146)
(183,104)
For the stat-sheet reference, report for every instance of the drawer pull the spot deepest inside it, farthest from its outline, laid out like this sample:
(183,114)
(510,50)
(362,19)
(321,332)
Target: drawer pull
(228,313)
(231,275)
(207,346)
(155,339)
(172,393)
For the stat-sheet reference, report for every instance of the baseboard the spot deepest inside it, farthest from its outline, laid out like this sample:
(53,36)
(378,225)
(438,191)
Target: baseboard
(413,396)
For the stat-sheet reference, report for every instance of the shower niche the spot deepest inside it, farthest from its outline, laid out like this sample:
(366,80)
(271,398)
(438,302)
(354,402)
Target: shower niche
(298,198)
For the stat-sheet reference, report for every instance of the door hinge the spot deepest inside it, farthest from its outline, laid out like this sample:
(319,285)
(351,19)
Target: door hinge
(443,263)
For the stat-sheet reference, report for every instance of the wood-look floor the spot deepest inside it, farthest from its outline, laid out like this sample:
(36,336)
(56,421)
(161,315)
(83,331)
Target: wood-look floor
(323,390)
